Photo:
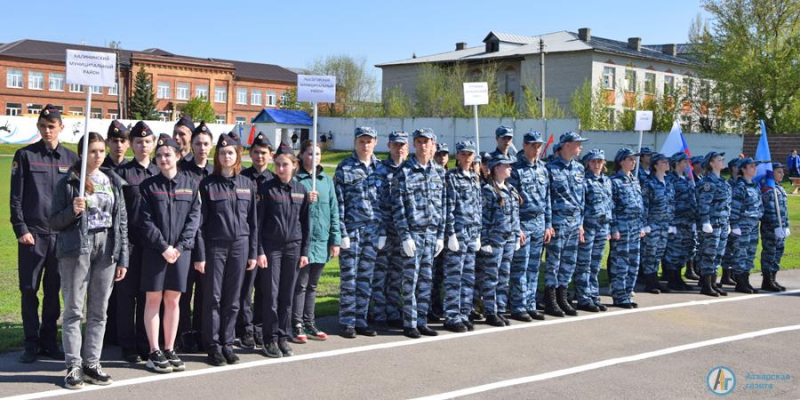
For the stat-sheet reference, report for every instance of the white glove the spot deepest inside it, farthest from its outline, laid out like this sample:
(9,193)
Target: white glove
(737,231)
(439,247)
(381,242)
(707,228)
(729,229)
(486,249)
(345,243)
(452,243)
(518,245)
(788,232)
(477,243)
(694,227)
(646,229)
(672,230)
(780,233)
(409,247)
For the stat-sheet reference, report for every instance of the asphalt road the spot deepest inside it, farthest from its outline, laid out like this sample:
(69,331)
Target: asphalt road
(664,349)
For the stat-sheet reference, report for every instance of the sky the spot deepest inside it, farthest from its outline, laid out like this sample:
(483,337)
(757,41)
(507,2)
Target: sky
(294,34)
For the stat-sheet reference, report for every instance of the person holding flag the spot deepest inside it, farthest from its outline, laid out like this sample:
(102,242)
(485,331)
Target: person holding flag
(774,230)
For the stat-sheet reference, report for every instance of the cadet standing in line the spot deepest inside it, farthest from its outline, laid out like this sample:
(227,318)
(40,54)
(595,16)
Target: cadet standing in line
(596,220)
(388,263)
(323,244)
(462,228)
(714,204)
(170,209)
(118,143)
(227,237)
(248,325)
(658,197)
(532,181)
(774,231)
(34,173)
(183,133)
(681,243)
(436,313)
(626,229)
(198,167)
(729,257)
(504,135)
(746,210)
(697,172)
(285,237)
(417,194)
(501,237)
(567,199)
(357,195)
(130,300)
(645,157)
(92,248)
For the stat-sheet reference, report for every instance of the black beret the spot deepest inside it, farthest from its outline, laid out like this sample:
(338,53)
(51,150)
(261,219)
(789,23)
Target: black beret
(167,140)
(50,112)
(262,140)
(284,148)
(118,130)
(228,139)
(187,122)
(141,130)
(201,129)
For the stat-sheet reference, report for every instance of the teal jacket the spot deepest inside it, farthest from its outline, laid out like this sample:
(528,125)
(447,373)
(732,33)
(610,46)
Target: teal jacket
(324,215)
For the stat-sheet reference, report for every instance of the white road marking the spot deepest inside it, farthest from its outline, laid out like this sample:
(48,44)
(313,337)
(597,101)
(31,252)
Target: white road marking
(607,363)
(388,345)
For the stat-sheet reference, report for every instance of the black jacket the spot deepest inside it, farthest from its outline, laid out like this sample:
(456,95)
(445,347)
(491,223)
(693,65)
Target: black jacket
(283,215)
(170,212)
(228,208)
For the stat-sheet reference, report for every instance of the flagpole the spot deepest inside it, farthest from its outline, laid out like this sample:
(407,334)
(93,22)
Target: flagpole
(777,205)
(85,150)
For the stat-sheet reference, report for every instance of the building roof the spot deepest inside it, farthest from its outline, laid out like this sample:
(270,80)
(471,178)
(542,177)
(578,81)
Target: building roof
(56,52)
(285,117)
(556,42)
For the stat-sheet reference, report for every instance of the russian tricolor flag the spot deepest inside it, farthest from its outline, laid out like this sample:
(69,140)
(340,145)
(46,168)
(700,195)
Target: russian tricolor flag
(764,170)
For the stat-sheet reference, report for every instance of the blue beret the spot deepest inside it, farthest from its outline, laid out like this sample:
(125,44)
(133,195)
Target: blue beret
(533,137)
(678,157)
(646,151)
(442,148)
(503,131)
(425,132)
(658,157)
(398,137)
(468,146)
(570,136)
(365,131)
(499,159)
(594,154)
(709,156)
(624,153)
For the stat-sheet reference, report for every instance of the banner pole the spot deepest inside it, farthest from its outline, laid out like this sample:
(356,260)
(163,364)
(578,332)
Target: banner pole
(636,168)
(314,153)
(477,132)
(85,152)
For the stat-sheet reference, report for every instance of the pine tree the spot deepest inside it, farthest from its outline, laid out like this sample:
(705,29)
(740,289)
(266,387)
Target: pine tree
(143,102)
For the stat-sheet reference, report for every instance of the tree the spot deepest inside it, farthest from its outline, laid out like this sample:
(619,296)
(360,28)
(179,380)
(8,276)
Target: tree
(397,104)
(200,109)
(355,85)
(143,103)
(752,50)
(291,102)
(531,106)
(589,105)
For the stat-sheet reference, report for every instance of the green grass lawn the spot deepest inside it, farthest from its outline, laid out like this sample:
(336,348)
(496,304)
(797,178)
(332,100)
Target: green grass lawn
(328,289)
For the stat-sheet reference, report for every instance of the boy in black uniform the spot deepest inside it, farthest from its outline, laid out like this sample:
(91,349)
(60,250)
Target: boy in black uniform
(34,173)
(248,326)
(129,299)
(183,132)
(118,143)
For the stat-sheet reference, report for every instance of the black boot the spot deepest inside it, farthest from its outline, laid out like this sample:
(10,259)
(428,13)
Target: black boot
(563,302)
(768,283)
(727,278)
(675,282)
(747,282)
(775,282)
(690,273)
(717,289)
(550,304)
(707,285)
(651,284)
(742,284)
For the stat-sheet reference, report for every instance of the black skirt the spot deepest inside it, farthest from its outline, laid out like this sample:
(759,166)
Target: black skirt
(158,276)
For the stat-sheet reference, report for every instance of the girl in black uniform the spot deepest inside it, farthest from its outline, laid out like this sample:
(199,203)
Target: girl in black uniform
(227,237)
(170,218)
(284,239)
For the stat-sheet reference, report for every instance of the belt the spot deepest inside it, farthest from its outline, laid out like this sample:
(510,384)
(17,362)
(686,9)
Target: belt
(98,230)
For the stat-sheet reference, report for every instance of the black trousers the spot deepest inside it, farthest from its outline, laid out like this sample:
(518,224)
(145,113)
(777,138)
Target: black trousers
(38,266)
(129,307)
(247,308)
(222,286)
(305,294)
(191,316)
(277,283)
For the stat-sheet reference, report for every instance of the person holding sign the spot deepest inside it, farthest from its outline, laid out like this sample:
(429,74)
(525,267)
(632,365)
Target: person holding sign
(170,209)
(357,195)
(774,231)
(92,247)
(118,142)
(34,173)
(714,207)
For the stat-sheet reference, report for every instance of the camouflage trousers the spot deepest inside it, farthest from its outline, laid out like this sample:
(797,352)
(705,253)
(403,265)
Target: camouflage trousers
(496,274)
(746,244)
(459,279)
(680,248)
(623,260)
(712,246)
(562,254)
(417,278)
(729,256)
(525,268)
(356,266)
(386,281)
(771,249)
(655,244)
(590,257)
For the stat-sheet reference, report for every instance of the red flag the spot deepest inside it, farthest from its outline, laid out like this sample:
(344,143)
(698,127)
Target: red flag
(547,146)
(252,135)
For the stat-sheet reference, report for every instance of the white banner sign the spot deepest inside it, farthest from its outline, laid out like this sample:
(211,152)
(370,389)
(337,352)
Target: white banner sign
(91,68)
(644,121)
(476,93)
(316,88)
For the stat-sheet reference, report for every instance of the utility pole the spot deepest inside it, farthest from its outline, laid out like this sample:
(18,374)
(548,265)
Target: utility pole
(119,83)
(541,69)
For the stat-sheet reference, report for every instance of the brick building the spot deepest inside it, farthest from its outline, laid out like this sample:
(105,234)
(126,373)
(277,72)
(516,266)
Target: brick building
(34,74)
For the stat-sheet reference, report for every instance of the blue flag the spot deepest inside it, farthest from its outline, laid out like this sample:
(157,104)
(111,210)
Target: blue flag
(764,171)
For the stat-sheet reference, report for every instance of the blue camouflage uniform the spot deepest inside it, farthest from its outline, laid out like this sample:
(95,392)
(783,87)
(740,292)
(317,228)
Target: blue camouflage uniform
(772,244)
(532,181)
(500,233)
(729,257)
(596,220)
(437,302)
(714,201)
(659,208)
(747,209)
(357,194)
(644,173)
(463,204)
(627,221)
(388,263)
(504,131)
(417,194)
(682,243)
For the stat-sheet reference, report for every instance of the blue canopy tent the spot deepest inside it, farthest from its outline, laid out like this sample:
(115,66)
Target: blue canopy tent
(281,125)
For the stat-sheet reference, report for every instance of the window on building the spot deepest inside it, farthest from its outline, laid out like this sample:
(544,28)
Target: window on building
(271,98)
(73,88)
(35,80)
(201,91)
(220,94)
(56,82)
(96,89)
(241,96)
(649,83)
(220,119)
(241,120)
(96,113)
(164,89)
(13,108)
(34,108)
(669,84)
(113,90)
(76,110)
(609,77)
(182,91)
(255,97)
(60,109)
(630,80)
(113,114)
(284,99)
(14,79)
